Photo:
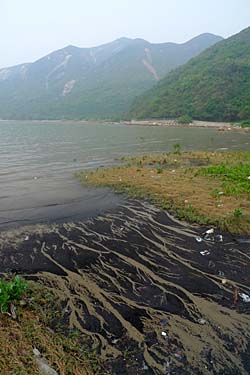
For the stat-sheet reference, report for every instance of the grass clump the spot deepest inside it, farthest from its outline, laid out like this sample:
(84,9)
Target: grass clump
(177,148)
(39,324)
(238,212)
(11,292)
(159,170)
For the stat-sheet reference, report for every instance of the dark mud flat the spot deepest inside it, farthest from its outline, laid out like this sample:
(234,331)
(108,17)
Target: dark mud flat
(135,282)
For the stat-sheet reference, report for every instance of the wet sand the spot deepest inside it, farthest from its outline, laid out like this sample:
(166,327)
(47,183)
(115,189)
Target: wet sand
(134,280)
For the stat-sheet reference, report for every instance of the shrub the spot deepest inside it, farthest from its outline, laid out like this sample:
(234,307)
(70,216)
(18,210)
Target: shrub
(245,123)
(186,119)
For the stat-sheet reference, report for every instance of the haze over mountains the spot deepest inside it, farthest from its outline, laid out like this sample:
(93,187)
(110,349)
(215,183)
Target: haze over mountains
(212,86)
(99,82)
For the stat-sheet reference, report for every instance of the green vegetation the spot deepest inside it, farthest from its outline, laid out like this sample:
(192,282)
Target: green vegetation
(177,148)
(238,212)
(213,86)
(203,187)
(186,119)
(235,178)
(39,324)
(245,123)
(11,292)
(159,170)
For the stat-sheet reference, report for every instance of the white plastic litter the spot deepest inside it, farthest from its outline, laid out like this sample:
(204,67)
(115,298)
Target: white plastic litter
(198,239)
(219,238)
(210,231)
(245,297)
(205,252)
(164,334)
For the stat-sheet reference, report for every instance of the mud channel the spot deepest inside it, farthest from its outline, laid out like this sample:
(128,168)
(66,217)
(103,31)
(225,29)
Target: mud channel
(155,295)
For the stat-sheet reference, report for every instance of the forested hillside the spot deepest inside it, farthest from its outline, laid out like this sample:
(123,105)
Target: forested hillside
(212,86)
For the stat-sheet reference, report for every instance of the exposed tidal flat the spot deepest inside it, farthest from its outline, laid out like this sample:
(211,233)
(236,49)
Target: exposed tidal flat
(154,295)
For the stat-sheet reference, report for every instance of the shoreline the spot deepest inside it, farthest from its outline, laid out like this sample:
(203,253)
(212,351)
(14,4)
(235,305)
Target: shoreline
(206,187)
(148,292)
(221,126)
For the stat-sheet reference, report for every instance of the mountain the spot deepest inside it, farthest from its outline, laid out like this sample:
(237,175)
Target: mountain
(213,86)
(99,82)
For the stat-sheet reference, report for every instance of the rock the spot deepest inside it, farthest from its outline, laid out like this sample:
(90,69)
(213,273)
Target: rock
(44,368)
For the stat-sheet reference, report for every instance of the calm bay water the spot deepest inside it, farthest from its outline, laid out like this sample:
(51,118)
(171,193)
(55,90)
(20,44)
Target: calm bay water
(38,161)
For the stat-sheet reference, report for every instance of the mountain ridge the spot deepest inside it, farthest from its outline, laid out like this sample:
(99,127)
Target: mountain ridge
(97,82)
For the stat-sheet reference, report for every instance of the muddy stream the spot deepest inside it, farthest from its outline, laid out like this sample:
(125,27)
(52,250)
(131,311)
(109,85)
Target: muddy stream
(152,298)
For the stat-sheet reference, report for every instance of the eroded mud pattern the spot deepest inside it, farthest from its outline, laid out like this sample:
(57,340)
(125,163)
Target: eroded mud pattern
(135,282)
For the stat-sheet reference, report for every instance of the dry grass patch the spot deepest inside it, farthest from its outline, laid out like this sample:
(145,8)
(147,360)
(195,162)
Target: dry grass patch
(184,184)
(65,353)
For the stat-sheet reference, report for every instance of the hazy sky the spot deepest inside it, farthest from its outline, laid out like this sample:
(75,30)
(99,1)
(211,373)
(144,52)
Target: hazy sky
(30,29)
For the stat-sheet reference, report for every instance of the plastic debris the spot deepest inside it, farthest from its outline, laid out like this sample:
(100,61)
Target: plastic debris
(220,193)
(13,311)
(221,273)
(245,297)
(207,237)
(198,239)
(210,231)
(219,238)
(26,238)
(224,281)
(205,252)
(144,366)
(202,321)
(164,334)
